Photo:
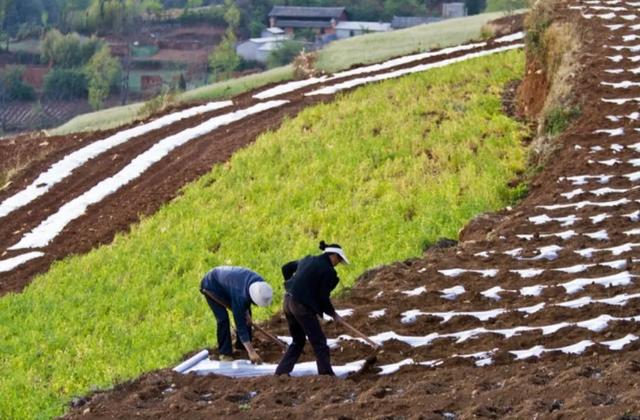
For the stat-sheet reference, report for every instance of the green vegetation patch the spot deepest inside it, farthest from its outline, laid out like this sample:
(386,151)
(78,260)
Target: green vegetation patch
(372,48)
(381,170)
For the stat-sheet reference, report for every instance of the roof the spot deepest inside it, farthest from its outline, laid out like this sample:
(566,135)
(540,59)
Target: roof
(408,21)
(364,26)
(269,39)
(275,30)
(306,12)
(270,46)
(296,23)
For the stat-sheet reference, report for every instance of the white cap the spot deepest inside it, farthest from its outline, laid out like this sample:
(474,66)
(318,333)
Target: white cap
(336,250)
(261,293)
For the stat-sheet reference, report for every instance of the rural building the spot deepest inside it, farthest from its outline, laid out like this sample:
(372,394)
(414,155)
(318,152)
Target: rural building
(401,22)
(453,10)
(151,83)
(258,49)
(271,32)
(352,28)
(322,20)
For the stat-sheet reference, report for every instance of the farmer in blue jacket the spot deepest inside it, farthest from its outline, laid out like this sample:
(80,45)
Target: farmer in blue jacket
(235,288)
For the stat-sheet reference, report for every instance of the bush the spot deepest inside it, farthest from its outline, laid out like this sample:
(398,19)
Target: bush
(13,86)
(285,54)
(558,119)
(157,104)
(213,15)
(68,50)
(65,84)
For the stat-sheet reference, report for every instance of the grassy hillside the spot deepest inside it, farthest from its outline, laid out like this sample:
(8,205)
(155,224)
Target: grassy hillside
(384,171)
(373,48)
(337,56)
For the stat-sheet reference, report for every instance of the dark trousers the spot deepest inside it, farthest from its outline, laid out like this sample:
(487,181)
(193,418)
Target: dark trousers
(223,330)
(303,323)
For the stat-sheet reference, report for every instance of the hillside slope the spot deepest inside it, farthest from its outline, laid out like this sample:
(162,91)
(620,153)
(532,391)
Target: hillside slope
(537,319)
(407,167)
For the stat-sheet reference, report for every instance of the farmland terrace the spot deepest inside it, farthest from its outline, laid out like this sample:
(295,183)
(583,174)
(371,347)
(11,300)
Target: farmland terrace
(534,313)
(36,231)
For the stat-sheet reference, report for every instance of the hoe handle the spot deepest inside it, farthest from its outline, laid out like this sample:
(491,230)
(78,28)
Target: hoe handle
(267,334)
(249,320)
(358,333)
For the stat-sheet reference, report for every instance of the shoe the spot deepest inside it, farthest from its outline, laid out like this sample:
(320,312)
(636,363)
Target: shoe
(225,358)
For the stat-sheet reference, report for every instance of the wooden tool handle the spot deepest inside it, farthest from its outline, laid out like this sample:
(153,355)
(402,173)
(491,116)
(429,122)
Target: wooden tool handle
(249,320)
(358,333)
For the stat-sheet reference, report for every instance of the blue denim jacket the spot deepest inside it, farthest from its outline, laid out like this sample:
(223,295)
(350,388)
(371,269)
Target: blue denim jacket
(231,284)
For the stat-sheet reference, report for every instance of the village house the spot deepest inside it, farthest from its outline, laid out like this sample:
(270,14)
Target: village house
(321,20)
(353,28)
(258,49)
(454,10)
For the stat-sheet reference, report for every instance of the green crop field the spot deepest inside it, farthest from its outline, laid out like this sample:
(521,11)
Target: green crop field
(383,170)
(339,55)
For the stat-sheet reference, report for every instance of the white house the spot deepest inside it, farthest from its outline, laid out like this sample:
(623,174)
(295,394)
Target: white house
(355,28)
(454,10)
(258,49)
(271,32)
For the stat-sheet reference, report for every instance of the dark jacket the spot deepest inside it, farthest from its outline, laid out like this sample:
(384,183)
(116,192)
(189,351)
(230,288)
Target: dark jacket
(231,284)
(310,282)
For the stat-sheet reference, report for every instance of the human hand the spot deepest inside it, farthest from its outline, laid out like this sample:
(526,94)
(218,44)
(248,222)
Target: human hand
(255,358)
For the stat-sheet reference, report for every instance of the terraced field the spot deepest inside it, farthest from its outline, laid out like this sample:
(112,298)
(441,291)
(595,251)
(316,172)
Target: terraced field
(534,314)
(130,307)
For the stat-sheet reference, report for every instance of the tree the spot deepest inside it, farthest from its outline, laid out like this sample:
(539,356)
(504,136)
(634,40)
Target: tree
(103,73)
(14,88)
(62,83)
(4,34)
(68,50)
(224,59)
(285,54)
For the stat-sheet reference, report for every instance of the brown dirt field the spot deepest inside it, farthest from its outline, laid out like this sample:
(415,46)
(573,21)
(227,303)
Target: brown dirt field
(599,383)
(141,197)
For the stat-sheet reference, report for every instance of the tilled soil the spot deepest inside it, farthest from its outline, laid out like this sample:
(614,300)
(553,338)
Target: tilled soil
(598,380)
(143,196)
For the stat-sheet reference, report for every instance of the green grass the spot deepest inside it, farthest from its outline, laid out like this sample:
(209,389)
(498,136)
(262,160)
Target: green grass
(99,120)
(113,117)
(338,55)
(373,48)
(381,170)
(233,87)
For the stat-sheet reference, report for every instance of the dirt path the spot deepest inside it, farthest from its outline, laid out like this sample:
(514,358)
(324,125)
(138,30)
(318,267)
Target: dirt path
(555,310)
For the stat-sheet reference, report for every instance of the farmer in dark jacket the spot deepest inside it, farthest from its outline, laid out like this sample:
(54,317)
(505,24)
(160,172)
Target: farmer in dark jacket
(309,283)
(236,288)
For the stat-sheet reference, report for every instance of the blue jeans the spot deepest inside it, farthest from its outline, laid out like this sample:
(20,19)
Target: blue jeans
(223,331)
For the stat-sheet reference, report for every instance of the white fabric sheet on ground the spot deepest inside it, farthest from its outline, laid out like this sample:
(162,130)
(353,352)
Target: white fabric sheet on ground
(11,263)
(53,225)
(63,168)
(299,84)
(329,90)
(244,368)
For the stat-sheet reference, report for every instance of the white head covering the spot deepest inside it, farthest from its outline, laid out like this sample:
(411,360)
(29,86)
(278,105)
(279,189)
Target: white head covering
(261,293)
(336,250)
